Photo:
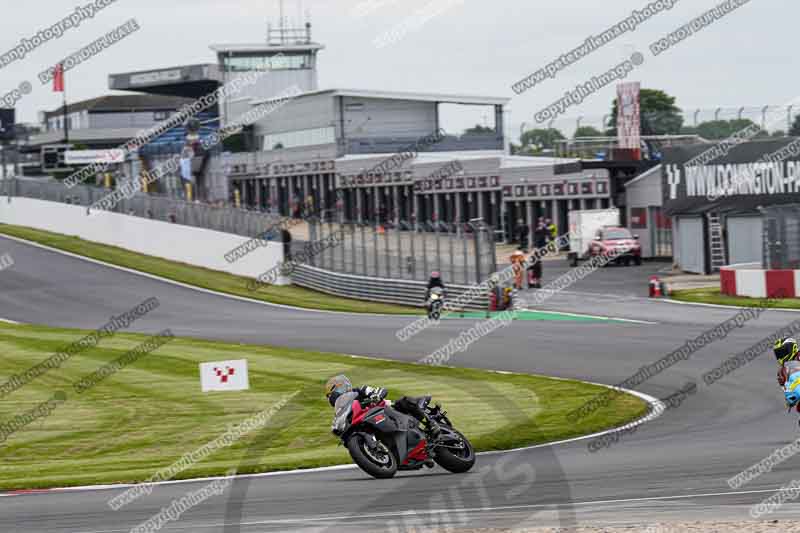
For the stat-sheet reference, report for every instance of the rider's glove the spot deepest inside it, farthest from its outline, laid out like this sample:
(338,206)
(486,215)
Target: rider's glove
(375,394)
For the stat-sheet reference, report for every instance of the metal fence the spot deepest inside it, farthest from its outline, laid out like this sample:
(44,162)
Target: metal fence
(782,237)
(219,218)
(462,253)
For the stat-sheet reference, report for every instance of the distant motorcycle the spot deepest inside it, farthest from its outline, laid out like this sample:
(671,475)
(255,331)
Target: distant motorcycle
(382,440)
(435,303)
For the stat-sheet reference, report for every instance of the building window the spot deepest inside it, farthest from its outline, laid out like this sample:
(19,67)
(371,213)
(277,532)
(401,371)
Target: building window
(282,62)
(160,115)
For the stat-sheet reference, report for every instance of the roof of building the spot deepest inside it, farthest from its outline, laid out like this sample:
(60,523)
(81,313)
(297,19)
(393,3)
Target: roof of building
(645,175)
(512,161)
(240,48)
(183,68)
(411,96)
(94,135)
(124,102)
(428,157)
(505,161)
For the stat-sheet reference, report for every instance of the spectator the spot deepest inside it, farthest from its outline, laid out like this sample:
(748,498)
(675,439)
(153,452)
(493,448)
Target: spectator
(522,231)
(517,259)
(551,227)
(286,237)
(540,238)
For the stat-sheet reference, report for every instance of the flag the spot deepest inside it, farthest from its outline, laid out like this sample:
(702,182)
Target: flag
(58,79)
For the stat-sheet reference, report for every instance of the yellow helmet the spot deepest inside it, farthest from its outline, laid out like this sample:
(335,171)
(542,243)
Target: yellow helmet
(336,386)
(785,350)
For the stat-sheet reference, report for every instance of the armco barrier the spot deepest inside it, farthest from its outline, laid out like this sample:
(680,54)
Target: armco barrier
(404,292)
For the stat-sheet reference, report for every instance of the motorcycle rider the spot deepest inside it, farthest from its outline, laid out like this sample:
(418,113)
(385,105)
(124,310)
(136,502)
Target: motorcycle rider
(434,281)
(338,385)
(786,352)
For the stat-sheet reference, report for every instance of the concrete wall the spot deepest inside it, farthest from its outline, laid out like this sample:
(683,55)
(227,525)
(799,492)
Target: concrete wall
(645,193)
(194,246)
(141,119)
(374,117)
(303,113)
(270,85)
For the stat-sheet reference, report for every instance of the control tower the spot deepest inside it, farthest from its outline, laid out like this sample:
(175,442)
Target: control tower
(288,59)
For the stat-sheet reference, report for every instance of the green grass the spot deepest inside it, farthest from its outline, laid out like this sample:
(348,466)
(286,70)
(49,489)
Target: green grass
(149,414)
(712,295)
(203,277)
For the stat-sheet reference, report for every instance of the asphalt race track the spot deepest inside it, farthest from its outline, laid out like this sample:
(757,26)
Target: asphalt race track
(673,468)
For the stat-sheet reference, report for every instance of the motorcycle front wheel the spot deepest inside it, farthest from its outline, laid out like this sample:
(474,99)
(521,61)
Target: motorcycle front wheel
(379,463)
(457,459)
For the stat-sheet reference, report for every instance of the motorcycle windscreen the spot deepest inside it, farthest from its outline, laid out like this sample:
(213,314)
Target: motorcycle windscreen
(342,409)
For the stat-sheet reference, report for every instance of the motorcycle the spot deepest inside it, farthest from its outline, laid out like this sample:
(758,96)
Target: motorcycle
(382,440)
(435,303)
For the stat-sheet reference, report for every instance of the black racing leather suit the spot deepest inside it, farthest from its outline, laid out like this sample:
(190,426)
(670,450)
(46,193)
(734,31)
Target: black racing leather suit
(433,282)
(408,405)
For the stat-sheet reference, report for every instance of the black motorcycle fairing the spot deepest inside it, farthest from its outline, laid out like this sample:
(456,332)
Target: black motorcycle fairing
(407,434)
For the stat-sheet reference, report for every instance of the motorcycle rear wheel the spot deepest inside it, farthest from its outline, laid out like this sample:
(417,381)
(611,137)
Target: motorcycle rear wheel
(380,466)
(456,461)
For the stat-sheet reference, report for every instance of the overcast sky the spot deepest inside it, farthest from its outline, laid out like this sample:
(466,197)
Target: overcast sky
(476,47)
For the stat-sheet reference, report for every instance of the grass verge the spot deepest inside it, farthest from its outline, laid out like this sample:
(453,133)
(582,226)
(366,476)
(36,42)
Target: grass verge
(712,295)
(203,277)
(152,412)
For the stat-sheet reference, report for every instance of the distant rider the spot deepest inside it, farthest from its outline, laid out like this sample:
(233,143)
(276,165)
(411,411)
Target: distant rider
(412,406)
(434,281)
(786,352)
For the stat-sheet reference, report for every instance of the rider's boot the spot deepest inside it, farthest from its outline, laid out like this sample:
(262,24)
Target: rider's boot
(433,427)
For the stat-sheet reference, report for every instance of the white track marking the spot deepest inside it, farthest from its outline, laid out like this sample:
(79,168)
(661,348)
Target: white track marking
(656,409)
(417,512)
